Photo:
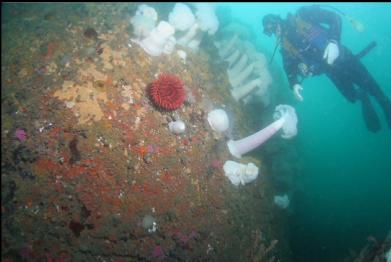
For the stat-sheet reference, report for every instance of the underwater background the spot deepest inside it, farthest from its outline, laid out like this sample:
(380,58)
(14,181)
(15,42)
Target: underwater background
(61,201)
(346,179)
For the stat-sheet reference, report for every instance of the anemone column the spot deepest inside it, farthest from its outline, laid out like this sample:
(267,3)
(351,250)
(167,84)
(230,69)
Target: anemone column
(286,119)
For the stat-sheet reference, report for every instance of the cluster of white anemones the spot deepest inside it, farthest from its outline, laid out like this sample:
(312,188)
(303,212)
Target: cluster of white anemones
(247,68)
(183,27)
(247,73)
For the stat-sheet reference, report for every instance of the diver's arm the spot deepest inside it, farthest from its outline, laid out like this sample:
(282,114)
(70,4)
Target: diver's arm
(290,68)
(317,15)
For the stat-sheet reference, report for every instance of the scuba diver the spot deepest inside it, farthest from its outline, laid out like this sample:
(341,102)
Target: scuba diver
(308,48)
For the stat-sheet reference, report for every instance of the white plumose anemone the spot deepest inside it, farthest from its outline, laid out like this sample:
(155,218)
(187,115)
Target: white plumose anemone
(286,120)
(144,21)
(181,17)
(239,173)
(282,201)
(159,40)
(218,120)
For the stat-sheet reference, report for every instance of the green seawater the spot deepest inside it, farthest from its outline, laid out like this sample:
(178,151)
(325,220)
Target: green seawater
(345,195)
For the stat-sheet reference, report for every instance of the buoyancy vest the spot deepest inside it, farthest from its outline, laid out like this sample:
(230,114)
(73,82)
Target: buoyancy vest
(307,44)
(315,35)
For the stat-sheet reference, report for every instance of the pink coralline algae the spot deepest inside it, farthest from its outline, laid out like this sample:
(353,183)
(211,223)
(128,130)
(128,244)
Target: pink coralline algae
(216,163)
(150,149)
(25,252)
(20,134)
(183,239)
(157,254)
(153,149)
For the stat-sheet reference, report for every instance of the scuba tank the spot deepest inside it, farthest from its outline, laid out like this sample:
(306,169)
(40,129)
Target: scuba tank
(357,25)
(366,50)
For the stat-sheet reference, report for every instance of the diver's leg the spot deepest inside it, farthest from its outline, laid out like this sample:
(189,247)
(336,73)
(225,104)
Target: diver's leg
(345,85)
(367,81)
(371,119)
(368,84)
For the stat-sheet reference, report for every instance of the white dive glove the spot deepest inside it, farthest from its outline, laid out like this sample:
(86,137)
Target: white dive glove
(331,52)
(297,88)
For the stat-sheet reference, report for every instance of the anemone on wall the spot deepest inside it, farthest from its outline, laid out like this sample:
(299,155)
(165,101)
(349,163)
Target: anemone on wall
(167,91)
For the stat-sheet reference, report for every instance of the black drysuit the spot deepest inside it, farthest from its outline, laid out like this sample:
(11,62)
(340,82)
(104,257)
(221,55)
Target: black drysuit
(304,38)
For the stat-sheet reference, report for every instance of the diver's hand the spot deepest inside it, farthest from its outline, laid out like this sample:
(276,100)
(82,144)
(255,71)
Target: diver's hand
(297,88)
(331,52)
